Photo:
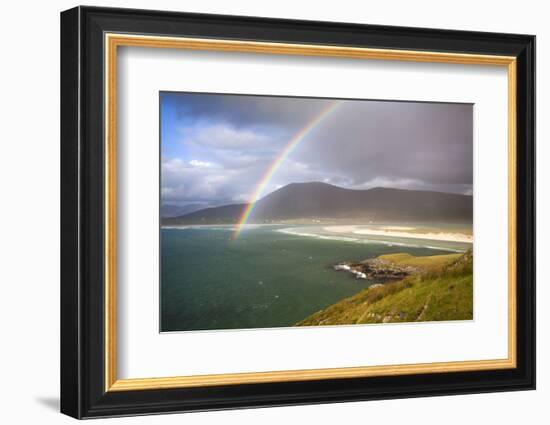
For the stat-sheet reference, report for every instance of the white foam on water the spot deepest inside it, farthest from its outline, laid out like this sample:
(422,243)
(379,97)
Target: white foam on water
(290,231)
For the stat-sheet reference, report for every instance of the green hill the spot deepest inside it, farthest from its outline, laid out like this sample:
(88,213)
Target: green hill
(443,290)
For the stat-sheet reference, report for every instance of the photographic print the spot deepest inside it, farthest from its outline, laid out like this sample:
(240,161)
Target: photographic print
(293,211)
(318,198)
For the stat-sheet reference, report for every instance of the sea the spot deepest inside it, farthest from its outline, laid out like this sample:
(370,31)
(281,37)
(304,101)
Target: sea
(268,277)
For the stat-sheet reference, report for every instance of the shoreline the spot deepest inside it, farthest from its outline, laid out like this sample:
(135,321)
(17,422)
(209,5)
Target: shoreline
(425,289)
(402,232)
(387,234)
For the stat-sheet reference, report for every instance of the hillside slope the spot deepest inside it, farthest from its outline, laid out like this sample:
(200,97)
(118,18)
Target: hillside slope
(317,200)
(443,291)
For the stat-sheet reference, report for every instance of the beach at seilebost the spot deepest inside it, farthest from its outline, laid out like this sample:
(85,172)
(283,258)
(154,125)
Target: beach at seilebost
(458,234)
(453,237)
(430,233)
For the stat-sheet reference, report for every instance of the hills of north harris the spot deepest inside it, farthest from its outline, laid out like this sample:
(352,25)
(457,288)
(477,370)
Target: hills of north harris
(302,202)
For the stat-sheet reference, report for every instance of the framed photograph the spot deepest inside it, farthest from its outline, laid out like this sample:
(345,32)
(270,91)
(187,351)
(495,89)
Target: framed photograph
(261,212)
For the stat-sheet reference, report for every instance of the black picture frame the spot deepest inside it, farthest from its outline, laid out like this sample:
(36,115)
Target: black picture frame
(83,392)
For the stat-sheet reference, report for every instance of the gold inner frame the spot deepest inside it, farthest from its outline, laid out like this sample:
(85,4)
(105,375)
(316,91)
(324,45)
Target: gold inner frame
(113,41)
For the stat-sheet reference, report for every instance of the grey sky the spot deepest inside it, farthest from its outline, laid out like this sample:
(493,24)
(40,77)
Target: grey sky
(216,148)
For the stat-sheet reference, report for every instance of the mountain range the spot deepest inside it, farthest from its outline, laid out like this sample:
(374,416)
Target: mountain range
(322,201)
(170,210)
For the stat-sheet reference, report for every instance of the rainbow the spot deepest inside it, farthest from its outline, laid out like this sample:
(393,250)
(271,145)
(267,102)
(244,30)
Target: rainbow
(278,161)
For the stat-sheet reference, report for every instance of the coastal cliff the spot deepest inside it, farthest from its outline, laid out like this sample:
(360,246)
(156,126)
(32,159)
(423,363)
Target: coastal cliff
(436,288)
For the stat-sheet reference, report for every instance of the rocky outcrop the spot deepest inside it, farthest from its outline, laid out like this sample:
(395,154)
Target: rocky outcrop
(377,269)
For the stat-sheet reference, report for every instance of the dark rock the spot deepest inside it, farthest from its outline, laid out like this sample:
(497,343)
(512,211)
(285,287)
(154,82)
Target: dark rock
(377,269)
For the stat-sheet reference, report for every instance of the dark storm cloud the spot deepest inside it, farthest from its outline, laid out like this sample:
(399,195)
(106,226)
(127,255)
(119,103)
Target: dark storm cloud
(425,142)
(246,111)
(216,148)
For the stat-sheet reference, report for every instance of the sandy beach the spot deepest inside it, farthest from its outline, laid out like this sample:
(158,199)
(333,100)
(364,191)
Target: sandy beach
(400,232)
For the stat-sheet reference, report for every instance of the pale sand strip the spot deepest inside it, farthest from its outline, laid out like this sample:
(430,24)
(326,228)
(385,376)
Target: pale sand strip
(434,236)
(449,237)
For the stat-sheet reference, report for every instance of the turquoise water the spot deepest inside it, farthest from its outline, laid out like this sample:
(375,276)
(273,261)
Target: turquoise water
(263,279)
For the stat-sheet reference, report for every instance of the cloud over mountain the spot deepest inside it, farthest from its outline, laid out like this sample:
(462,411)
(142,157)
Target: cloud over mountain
(216,148)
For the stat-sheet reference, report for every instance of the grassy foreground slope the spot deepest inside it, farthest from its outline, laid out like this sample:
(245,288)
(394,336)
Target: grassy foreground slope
(442,291)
